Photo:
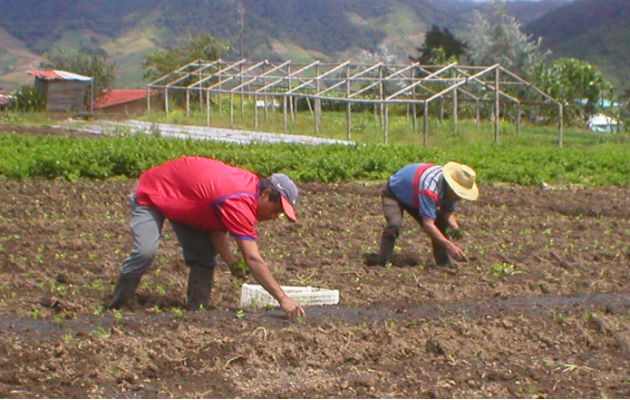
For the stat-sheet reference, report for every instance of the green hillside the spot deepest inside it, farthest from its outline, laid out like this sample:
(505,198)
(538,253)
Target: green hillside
(597,31)
(301,30)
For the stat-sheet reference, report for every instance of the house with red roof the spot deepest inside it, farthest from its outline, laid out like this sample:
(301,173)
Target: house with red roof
(124,101)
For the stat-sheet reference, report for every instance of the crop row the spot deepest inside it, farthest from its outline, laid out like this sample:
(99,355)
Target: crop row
(104,157)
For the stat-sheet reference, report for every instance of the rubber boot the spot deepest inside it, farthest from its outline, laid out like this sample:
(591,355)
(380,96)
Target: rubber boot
(199,287)
(388,240)
(442,256)
(125,288)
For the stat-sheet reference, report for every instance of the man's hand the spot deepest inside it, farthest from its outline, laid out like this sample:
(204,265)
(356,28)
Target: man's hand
(457,253)
(239,269)
(292,308)
(456,233)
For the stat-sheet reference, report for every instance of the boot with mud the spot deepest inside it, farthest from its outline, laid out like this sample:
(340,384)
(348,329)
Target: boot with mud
(442,257)
(199,287)
(125,288)
(388,240)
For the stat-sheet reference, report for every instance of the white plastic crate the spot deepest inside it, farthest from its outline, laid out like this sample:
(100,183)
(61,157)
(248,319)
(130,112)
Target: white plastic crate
(256,296)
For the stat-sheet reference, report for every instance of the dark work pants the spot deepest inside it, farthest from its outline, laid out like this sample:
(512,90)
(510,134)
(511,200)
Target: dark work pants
(146,229)
(199,252)
(394,210)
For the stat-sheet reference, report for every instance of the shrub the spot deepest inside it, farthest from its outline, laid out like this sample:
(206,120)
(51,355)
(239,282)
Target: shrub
(28,98)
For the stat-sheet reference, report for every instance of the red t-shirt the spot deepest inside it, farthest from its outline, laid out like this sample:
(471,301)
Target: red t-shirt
(203,193)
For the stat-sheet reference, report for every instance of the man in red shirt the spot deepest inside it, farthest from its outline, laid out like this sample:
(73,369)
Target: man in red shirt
(205,200)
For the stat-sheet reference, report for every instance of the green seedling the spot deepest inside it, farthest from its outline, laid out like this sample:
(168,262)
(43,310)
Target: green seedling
(505,269)
(239,314)
(68,337)
(178,312)
(239,269)
(101,332)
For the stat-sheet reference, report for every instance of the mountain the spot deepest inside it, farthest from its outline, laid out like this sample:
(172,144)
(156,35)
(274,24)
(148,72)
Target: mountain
(300,30)
(597,31)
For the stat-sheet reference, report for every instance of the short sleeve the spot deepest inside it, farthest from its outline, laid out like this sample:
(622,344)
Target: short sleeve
(238,214)
(428,204)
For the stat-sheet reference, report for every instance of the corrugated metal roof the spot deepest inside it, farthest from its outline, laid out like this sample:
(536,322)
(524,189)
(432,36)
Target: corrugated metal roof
(5,99)
(55,74)
(119,96)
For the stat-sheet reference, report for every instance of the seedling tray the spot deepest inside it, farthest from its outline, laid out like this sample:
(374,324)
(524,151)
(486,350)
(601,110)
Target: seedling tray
(255,296)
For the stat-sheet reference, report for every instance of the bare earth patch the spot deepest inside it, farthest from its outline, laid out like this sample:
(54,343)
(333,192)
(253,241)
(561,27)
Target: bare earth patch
(540,310)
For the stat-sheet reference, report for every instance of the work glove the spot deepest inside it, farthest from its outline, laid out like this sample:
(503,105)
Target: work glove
(239,269)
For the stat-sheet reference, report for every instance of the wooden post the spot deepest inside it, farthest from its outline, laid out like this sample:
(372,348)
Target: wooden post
(425,140)
(255,112)
(219,95)
(317,104)
(560,126)
(284,114)
(148,101)
(455,116)
(187,103)
(265,105)
(242,96)
(166,101)
(208,107)
(381,90)
(348,105)
(497,110)
(290,99)
(200,95)
(386,124)
(478,112)
(414,110)
(231,110)
(415,119)
(518,119)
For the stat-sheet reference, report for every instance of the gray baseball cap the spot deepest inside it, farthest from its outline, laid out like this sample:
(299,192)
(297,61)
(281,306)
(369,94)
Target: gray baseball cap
(288,194)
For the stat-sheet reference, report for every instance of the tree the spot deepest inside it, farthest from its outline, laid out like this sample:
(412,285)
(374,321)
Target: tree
(382,54)
(497,38)
(27,98)
(163,61)
(94,65)
(578,85)
(440,46)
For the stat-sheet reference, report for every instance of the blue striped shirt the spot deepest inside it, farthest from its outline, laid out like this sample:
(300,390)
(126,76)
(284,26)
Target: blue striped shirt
(431,190)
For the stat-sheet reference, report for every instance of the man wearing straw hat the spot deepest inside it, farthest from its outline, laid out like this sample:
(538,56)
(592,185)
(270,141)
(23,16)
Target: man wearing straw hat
(205,200)
(429,193)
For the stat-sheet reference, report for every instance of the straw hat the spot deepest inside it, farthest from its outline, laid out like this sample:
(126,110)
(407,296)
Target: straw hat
(461,178)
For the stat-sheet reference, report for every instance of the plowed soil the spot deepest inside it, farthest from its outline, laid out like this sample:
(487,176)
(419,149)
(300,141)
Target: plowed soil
(541,309)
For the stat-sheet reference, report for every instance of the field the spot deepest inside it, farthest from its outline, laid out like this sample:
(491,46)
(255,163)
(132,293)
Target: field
(540,310)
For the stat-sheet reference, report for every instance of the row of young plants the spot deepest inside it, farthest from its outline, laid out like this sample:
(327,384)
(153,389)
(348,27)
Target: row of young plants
(104,157)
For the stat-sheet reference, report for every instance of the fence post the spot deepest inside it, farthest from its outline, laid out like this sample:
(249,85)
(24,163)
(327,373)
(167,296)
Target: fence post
(496,106)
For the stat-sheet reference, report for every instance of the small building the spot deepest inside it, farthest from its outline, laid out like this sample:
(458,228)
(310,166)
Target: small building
(123,101)
(603,123)
(64,91)
(5,99)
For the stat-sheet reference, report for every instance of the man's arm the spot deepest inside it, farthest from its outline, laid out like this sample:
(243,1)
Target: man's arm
(428,224)
(260,271)
(221,243)
(451,221)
